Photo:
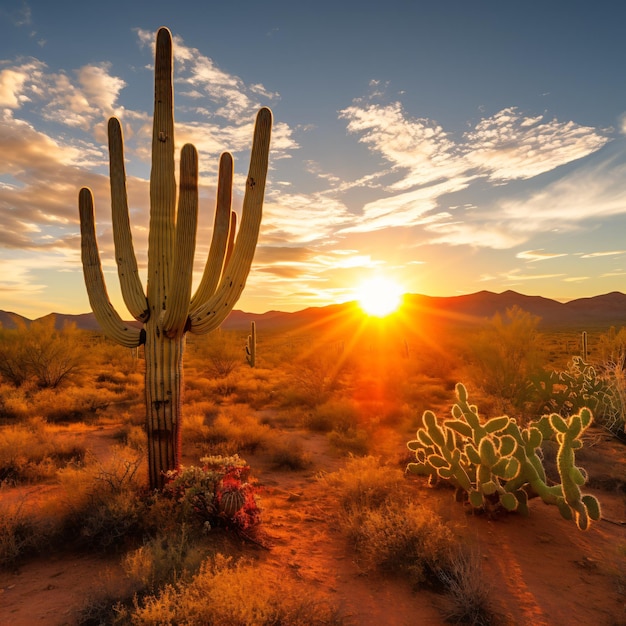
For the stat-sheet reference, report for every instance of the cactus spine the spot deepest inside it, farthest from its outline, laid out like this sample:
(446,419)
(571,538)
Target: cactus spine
(251,346)
(169,310)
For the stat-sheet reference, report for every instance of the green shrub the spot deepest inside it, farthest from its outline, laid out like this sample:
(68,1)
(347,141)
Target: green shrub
(506,354)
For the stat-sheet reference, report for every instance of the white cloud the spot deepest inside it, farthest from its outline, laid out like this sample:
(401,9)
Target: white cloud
(508,146)
(417,147)
(11,88)
(593,255)
(539,255)
(504,147)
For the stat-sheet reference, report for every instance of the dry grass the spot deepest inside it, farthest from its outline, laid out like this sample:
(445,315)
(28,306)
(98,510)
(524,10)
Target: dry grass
(31,452)
(228,593)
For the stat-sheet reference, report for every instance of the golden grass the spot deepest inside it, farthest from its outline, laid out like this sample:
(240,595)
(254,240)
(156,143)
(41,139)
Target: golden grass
(229,593)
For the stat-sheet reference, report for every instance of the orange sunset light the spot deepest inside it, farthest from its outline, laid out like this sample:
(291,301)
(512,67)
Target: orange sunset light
(379,296)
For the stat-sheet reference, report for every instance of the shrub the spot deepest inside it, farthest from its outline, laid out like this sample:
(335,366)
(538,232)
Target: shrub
(164,559)
(332,415)
(288,454)
(234,430)
(105,507)
(467,596)
(407,539)
(350,441)
(40,353)
(506,354)
(29,452)
(220,353)
(227,593)
(19,534)
(363,483)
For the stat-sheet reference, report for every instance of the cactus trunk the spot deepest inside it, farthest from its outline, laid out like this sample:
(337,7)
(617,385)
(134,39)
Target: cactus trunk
(168,311)
(164,361)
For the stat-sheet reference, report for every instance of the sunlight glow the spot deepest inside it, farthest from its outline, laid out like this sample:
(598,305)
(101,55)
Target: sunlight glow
(379,296)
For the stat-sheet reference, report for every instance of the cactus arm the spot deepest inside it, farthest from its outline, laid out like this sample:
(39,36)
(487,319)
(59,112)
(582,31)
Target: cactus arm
(108,318)
(175,315)
(210,315)
(231,238)
(162,178)
(221,229)
(130,284)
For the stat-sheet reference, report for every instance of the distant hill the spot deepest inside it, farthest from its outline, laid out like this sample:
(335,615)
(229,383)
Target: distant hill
(598,311)
(11,320)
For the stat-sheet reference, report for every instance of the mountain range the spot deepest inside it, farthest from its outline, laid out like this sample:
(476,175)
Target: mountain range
(598,311)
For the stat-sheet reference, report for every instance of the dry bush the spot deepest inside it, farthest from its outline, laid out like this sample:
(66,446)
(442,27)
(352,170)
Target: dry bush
(400,538)
(353,440)
(41,354)
(71,404)
(225,593)
(133,436)
(31,452)
(312,378)
(164,559)
(235,430)
(363,483)
(257,387)
(195,428)
(197,388)
(19,534)
(334,414)
(220,353)
(102,508)
(467,596)
(288,453)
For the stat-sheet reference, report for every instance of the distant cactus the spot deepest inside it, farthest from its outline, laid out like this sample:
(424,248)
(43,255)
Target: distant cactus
(497,464)
(168,310)
(251,346)
(585,352)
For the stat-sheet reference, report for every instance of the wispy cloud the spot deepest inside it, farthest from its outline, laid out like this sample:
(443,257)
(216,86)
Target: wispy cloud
(539,255)
(510,146)
(593,255)
(431,165)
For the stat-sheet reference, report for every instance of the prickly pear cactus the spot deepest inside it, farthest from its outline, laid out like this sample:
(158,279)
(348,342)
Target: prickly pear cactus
(496,464)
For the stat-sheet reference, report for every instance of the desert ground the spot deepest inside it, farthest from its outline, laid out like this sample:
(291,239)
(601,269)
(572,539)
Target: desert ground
(322,421)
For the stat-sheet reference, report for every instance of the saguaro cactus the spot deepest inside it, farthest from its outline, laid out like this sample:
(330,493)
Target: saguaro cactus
(251,346)
(168,310)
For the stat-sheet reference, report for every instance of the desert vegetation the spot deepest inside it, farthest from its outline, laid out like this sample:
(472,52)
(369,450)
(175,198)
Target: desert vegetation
(294,476)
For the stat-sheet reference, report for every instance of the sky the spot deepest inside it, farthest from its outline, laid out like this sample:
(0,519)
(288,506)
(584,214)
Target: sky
(453,146)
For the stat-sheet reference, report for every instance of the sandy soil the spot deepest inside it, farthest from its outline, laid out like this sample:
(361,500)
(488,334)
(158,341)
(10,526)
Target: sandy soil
(541,570)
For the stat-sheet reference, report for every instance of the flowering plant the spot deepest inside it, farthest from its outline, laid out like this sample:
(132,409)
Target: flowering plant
(218,492)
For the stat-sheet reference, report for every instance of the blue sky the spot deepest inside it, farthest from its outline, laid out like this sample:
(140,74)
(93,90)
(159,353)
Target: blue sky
(454,146)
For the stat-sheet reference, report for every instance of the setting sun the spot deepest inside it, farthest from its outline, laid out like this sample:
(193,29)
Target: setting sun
(379,296)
